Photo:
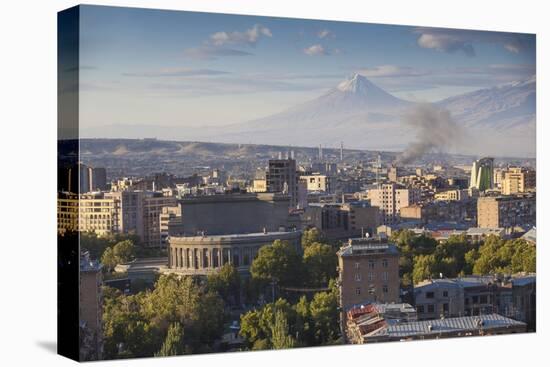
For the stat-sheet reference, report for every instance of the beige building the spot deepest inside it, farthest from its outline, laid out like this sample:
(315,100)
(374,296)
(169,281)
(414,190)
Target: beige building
(517,180)
(390,198)
(451,195)
(138,212)
(506,211)
(153,205)
(258,185)
(318,183)
(93,212)
(368,271)
(170,223)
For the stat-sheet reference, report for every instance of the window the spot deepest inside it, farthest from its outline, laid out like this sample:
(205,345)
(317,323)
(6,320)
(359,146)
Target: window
(385,289)
(429,295)
(371,264)
(358,277)
(475,299)
(431,309)
(385,276)
(356,265)
(483,299)
(445,307)
(358,290)
(445,294)
(384,263)
(371,276)
(466,301)
(420,309)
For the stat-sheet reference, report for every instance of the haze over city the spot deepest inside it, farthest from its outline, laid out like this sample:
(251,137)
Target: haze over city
(242,79)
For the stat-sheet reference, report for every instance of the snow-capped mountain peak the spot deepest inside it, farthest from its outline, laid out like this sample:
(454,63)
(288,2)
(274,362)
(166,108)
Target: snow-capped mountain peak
(356,83)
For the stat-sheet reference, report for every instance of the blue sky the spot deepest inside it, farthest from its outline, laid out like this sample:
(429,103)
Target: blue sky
(153,67)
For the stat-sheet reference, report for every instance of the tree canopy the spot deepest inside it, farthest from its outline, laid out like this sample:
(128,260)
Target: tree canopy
(279,261)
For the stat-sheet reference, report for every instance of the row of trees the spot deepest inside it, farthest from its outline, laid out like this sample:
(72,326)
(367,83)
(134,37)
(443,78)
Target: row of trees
(422,257)
(178,316)
(281,325)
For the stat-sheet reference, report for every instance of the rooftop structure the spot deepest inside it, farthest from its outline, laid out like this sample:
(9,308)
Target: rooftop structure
(443,328)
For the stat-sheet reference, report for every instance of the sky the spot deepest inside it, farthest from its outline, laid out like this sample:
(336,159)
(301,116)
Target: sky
(175,68)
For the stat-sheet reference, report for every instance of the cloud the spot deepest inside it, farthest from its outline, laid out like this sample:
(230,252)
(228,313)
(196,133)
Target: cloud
(383,71)
(316,50)
(325,33)
(456,40)
(212,53)
(224,85)
(248,37)
(176,72)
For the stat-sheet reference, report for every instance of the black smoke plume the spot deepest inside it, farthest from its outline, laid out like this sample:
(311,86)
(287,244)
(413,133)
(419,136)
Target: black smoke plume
(435,131)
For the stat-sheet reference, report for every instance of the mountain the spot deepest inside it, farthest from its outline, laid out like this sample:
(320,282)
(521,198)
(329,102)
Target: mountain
(507,106)
(355,110)
(496,121)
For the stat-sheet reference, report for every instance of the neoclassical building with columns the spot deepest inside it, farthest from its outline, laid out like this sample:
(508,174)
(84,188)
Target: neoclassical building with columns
(202,255)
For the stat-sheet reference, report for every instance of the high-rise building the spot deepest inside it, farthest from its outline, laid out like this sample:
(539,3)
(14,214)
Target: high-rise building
(482,176)
(281,177)
(138,212)
(390,198)
(153,204)
(92,212)
(506,211)
(393,174)
(517,180)
(170,223)
(368,271)
(98,178)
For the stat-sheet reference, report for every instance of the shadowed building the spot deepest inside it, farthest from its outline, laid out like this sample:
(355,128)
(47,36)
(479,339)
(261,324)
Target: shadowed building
(234,213)
(281,177)
(368,271)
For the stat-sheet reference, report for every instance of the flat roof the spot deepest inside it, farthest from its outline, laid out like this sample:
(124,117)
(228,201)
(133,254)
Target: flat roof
(449,325)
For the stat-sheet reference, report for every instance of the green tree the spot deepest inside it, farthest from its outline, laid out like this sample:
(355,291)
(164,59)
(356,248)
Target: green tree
(324,316)
(227,283)
(279,261)
(424,268)
(108,259)
(311,236)
(320,262)
(173,344)
(279,332)
(124,251)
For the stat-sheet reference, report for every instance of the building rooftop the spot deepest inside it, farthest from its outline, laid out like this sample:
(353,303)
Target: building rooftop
(365,245)
(475,231)
(87,264)
(531,235)
(269,236)
(521,281)
(443,326)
